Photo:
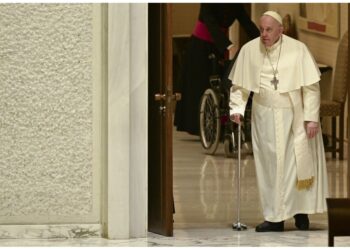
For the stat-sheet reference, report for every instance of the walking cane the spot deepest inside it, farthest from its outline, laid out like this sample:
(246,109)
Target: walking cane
(238,225)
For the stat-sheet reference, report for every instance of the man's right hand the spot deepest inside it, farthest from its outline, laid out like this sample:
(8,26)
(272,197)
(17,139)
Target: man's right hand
(236,118)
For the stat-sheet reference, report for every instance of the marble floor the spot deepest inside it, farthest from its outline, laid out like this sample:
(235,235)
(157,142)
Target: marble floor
(204,237)
(205,202)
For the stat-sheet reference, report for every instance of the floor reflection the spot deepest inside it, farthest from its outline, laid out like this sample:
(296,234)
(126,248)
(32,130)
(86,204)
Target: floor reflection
(209,188)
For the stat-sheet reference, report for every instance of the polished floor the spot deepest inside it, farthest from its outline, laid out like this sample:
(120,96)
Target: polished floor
(205,195)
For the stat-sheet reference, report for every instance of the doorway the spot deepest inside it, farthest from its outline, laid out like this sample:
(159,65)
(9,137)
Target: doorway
(206,198)
(210,170)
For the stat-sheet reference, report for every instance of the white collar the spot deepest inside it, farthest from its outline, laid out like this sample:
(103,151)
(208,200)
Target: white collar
(275,45)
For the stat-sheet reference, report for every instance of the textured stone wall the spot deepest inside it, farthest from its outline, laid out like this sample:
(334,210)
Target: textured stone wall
(46,110)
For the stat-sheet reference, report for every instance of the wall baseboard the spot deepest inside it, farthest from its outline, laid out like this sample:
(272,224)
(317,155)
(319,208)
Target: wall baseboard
(50,231)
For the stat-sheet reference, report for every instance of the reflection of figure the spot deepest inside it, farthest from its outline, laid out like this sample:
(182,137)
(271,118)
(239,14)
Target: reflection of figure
(209,36)
(287,142)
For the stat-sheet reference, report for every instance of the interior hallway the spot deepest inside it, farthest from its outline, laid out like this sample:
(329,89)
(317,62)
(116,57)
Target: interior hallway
(205,206)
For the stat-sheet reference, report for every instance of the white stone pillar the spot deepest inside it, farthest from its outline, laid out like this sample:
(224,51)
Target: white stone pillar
(127,121)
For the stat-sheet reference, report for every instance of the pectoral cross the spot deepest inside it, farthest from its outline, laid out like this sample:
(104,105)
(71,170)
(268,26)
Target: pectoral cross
(274,81)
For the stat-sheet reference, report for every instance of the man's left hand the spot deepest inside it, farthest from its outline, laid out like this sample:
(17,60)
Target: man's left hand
(311,129)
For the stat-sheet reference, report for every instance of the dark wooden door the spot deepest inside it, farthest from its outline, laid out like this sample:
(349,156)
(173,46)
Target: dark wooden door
(161,101)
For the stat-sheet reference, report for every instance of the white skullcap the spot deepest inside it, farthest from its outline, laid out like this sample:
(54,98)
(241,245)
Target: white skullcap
(274,14)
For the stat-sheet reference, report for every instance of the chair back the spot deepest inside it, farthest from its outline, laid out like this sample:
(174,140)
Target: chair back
(341,74)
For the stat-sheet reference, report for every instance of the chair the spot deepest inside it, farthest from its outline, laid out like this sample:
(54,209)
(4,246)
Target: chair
(335,106)
(338,218)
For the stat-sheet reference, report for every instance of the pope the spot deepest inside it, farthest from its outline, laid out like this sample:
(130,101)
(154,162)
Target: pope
(286,135)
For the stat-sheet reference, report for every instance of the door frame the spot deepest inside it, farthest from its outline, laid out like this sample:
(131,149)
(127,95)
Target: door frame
(124,185)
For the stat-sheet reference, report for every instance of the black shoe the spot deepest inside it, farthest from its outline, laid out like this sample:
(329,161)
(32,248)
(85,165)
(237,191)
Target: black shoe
(267,226)
(302,221)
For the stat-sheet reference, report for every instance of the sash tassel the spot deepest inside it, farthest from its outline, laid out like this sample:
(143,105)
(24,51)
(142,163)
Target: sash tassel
(305,184)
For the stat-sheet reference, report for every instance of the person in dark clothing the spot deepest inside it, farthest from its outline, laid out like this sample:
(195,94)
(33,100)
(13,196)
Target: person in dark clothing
(209,36)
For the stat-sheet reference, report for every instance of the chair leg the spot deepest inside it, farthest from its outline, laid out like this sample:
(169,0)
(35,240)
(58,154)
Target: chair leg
(334,137)
(330,240)
(341,136)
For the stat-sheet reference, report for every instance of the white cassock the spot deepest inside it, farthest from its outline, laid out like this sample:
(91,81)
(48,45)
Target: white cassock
(291,169)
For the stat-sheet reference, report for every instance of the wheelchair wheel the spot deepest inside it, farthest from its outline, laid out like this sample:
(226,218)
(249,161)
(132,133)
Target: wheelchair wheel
(209,121)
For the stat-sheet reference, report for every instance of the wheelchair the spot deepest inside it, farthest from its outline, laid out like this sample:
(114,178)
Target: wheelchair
(214,113)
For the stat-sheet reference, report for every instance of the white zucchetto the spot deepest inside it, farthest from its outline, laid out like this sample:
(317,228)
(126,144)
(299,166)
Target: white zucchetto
(274,14)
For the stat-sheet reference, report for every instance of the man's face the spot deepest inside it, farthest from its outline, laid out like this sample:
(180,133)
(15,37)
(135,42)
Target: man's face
(270,30)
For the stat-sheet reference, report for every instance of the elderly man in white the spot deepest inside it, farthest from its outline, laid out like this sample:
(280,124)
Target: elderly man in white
(287,139)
